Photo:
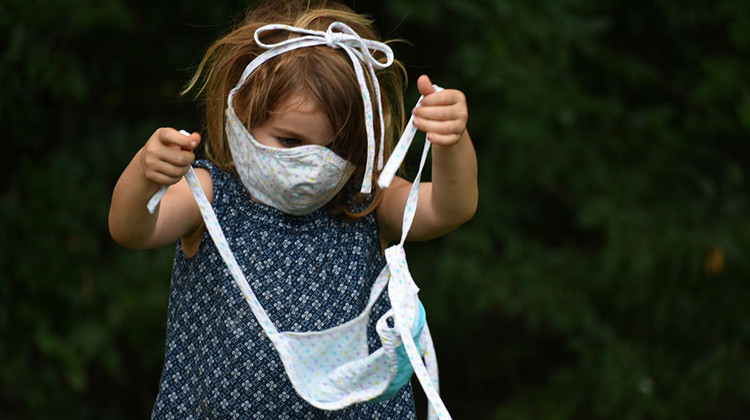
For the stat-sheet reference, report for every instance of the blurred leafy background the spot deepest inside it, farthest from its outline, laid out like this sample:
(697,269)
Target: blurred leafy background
(603,277)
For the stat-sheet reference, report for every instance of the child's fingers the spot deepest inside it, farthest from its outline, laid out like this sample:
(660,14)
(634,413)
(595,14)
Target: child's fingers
(441,113)
(424,85)
(163,179)
(171,154)
(440,127)
(195,139)
(170,170)
(166,165)
(172,137)
(175,157)
(167,155)
(164,173)
(444,97)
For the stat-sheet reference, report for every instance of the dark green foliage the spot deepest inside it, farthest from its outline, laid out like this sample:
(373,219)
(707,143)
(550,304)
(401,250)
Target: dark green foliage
(604,275)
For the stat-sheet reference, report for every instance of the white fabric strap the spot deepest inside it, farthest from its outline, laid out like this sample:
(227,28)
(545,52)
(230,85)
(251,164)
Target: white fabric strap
(411,201)
(399,152)
(402,290)
(156,199)
(212,224)
(430,362)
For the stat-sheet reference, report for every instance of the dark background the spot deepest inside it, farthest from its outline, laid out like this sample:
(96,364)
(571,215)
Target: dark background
(605,275)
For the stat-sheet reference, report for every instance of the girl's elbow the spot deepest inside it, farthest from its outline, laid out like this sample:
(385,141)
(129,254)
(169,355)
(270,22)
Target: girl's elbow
(467,214)
(469,210)
(123,235)
(459,217)
(128,241)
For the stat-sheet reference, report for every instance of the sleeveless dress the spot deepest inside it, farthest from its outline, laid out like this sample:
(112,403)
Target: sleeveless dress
(309,273)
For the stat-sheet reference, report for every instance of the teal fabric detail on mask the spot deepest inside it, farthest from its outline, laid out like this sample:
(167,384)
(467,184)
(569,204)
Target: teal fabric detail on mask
(404,372)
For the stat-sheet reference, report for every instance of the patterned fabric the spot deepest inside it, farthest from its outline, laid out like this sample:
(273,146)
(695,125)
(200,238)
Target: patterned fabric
(297,180)
(310,273)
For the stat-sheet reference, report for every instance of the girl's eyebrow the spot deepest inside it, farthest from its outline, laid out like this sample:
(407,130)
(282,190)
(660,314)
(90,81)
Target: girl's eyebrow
(289,133)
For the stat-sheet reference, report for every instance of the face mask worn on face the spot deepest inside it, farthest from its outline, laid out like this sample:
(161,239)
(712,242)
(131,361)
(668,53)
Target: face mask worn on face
(302,179)
(333,369)
(296,181)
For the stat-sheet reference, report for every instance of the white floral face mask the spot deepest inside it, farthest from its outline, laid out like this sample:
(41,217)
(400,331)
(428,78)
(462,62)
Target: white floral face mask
(296,181)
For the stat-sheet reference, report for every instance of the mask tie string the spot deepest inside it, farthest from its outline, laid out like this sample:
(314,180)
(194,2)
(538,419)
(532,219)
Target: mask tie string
(399,152)
(220,241)
(402,290)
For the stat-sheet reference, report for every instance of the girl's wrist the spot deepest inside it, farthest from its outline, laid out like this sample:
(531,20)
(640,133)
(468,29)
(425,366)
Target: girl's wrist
(461,139)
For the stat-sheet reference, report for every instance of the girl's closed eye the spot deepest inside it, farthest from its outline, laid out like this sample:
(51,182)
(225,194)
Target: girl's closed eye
(289,141)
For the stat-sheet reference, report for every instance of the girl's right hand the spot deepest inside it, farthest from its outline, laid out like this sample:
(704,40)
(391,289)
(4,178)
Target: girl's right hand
(167,155)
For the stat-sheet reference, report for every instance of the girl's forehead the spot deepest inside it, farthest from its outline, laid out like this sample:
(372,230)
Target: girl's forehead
(301,117)
(299,103)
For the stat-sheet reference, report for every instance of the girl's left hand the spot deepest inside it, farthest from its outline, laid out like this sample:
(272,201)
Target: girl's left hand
(442,115)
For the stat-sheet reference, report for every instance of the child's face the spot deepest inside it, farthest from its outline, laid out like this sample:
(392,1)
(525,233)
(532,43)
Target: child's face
(297,121)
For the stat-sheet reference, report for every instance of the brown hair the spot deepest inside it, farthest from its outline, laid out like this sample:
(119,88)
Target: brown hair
(320,73)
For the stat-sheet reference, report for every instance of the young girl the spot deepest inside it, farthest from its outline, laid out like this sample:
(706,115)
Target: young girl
(307,235)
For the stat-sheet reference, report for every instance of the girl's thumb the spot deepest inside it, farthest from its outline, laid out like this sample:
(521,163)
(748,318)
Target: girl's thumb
(424,85)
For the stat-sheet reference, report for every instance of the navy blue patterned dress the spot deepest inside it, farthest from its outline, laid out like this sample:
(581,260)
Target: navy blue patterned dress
(310,273)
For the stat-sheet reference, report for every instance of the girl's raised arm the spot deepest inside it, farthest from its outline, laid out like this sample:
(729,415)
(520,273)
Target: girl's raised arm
(164,160)
(451,198)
